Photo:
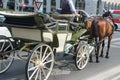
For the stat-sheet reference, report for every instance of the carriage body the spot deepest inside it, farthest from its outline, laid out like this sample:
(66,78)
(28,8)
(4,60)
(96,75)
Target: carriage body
(42,39)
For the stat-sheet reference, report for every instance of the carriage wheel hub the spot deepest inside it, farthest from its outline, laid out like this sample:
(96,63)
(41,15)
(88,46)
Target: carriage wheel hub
(82,55)
(39,64)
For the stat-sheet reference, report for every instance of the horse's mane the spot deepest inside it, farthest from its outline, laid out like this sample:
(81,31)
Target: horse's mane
(107,14)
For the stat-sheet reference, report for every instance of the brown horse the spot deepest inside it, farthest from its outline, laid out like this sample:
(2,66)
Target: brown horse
(99,28)
(89,26)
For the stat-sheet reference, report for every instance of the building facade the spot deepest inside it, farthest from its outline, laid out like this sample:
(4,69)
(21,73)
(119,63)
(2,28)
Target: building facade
(92,7)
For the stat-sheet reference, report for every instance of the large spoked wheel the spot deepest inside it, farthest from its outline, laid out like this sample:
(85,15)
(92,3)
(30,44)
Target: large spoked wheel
(82,55)
(6,54)
(40,63)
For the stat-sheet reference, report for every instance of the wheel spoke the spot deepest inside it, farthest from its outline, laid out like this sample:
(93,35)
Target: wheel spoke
(37,74)
(44,72)
(4,64)
(47,68)
(33,73)
(82,63)
(44,53)
(0,65)
(32,61)
(79,64)
(7,47)
(79,60)
(80,54)
(48,62)
(86,49)
(2,46)
(40,53)
(33,68)
(46,57)
(40,75)
(82,49)
(35,52)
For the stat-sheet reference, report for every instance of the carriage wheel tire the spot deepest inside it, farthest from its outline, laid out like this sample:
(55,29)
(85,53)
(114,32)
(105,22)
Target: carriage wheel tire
(82,56)
(40,63)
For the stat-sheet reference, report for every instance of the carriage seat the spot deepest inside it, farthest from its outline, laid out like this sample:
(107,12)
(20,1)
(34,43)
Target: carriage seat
(25,20)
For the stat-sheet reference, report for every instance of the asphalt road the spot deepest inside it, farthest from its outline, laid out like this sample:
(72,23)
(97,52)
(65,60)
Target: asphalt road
(64,69)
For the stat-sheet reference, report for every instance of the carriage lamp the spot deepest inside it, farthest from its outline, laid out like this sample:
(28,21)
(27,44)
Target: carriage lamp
(2,18)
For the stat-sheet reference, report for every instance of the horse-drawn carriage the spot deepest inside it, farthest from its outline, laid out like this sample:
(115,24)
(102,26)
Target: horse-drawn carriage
(36,38)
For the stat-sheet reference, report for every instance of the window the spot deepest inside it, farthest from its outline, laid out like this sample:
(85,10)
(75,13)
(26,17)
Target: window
(53,3)
(20,1)
(1,4)
(11,4)
(26,1)
(80,4)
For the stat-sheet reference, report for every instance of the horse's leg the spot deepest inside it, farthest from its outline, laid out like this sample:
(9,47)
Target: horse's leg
(108,46)
(97,50)
(103,44)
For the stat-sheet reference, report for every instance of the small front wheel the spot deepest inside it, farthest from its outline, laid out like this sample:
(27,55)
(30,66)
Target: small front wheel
(6,54)
(40,63)
(82,55)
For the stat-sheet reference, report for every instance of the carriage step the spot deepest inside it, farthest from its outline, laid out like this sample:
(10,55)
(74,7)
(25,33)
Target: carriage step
(84,37)
(91,48)
(25,55)
(67,54)
(26,49)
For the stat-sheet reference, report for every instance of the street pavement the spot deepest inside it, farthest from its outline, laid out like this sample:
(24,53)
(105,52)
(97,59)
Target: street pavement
(64,69)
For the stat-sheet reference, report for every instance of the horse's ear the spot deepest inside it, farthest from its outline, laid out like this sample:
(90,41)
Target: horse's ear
(109,12)
(104,10)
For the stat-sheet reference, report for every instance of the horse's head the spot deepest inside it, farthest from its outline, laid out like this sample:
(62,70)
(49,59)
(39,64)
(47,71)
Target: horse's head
(109,17)
(88,25)
(107,14)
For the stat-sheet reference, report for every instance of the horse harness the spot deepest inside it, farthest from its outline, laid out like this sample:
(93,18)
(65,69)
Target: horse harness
(109,19)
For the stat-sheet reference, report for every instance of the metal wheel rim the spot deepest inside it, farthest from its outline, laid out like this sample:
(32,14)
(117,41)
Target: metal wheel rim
(6,62)
(82,56)
(41,71)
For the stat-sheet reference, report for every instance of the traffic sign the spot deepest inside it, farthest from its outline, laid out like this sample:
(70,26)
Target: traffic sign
(38,5)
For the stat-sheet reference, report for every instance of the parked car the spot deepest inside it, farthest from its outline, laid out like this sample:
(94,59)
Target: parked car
(116,18)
